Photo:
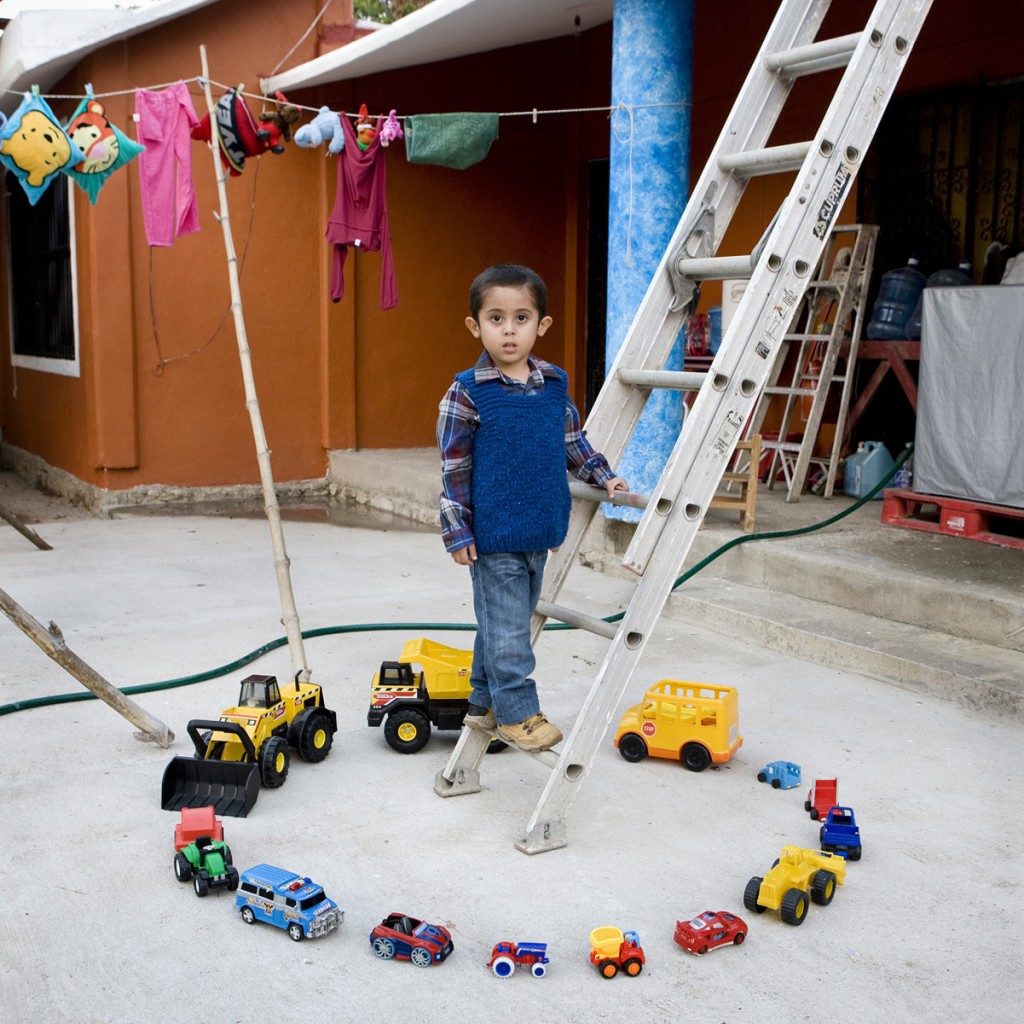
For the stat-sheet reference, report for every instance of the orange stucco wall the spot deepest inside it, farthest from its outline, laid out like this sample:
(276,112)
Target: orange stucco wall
(349,375)
(126,420)
(520,204)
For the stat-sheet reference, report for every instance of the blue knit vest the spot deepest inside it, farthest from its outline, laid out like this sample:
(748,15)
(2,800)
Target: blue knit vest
(519,489)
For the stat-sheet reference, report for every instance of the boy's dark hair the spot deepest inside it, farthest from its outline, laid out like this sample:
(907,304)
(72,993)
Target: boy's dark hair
(508,275)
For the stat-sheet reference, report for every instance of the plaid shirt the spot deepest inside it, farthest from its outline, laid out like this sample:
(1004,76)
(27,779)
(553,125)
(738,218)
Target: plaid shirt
(458,419)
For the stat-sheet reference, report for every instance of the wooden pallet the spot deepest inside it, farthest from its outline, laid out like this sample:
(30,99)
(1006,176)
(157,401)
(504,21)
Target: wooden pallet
(955,517)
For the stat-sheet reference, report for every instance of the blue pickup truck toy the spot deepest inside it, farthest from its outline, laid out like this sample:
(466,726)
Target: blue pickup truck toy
(286,900)
(840,833)
(781,774)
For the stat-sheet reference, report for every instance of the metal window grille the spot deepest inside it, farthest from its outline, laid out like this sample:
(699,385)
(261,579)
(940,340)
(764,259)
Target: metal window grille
(944,177)
(39,239)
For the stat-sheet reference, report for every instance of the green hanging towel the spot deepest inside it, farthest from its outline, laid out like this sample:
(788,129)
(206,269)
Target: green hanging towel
(450,140)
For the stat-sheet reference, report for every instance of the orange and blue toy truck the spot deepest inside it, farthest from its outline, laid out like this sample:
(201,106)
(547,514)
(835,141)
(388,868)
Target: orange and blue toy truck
(506,956)
(612,950)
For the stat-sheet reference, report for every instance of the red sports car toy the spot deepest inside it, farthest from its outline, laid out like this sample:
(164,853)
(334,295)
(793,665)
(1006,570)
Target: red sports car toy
(710,930)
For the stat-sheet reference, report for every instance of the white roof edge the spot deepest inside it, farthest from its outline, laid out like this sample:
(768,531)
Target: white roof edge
(445,29)
(39,47)
(321,69)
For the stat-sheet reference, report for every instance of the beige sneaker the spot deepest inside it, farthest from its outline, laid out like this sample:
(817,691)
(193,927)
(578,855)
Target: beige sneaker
(535,733)
(480,718)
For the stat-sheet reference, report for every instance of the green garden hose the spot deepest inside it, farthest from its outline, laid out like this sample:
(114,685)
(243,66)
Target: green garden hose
(419,627)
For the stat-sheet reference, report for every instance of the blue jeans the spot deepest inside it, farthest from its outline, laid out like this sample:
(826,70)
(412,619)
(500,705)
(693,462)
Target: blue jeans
(506,586)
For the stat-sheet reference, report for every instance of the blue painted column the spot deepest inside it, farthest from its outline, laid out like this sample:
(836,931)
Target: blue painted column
(652,57)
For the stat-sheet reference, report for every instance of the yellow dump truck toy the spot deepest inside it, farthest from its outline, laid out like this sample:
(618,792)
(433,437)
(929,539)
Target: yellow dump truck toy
(428,685)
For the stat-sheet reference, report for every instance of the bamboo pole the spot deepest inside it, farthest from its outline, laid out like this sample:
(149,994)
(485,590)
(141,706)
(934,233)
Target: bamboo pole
(289,614)
(25,531)
(52,642)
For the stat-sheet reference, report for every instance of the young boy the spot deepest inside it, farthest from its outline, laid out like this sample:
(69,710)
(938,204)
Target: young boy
(507,430)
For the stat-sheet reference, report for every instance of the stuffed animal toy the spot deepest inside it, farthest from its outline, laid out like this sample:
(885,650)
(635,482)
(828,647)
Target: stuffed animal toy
(325,127)
(274,126)
(34,147)
(365,131)
(105,146)
(391,130)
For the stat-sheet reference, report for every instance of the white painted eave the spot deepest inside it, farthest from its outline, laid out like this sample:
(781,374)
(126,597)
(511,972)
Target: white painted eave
(40,47)
(445,29)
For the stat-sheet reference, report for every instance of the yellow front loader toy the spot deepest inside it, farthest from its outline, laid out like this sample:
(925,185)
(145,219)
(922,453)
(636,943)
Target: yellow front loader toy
(249,744)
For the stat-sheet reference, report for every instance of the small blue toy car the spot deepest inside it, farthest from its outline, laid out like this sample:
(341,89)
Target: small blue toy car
(287,900)
(781,774)
(840,833)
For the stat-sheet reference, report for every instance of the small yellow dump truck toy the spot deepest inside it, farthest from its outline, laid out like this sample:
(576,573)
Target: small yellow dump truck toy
(428,685)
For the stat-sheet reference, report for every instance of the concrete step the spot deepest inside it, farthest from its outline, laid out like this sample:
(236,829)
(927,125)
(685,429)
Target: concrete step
(966,589)
(979,676)
(937,614)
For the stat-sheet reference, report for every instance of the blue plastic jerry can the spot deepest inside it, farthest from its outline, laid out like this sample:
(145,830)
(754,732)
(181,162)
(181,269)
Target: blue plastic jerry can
(866,468)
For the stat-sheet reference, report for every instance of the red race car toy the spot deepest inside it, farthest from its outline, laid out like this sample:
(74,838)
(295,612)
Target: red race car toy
(709,931)
(399,937)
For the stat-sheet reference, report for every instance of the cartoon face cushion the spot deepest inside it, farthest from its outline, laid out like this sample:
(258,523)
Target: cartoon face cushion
(34,147)
(105,146)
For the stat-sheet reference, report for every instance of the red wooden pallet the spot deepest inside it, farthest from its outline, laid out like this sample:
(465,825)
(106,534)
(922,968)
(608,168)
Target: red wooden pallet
(956,517)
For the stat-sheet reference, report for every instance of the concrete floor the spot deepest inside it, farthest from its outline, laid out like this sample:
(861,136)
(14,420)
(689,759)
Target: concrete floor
(98,930)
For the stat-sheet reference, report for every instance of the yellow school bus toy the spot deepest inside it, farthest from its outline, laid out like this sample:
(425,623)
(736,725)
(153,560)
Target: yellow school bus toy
(698,723)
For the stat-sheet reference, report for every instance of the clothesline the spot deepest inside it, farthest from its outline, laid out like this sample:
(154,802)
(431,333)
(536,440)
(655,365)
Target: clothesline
(197,79)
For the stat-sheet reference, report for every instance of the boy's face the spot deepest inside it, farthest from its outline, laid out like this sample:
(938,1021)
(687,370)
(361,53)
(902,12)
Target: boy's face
(509,326)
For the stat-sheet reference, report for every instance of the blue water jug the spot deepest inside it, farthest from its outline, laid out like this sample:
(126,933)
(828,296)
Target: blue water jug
(897,296)
(714,329)
(940,279)
(866,468)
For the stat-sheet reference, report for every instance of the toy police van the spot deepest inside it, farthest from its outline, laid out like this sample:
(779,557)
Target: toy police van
(289,901)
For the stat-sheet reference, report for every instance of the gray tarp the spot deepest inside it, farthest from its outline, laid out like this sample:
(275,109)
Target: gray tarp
(970,406)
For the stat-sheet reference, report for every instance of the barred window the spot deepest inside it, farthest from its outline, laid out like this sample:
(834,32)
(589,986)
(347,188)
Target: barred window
(40,242)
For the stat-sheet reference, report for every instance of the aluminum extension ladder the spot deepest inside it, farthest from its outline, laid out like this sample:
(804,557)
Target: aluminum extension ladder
(825,334)
(779,272)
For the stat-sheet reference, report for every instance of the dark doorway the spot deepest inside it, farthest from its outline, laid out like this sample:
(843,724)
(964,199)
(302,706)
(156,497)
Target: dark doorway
(597,276)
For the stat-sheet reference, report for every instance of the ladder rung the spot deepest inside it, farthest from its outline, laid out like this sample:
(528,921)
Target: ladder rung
(776,389)
(736,477)
(716,267)
(814,57)
(546,757)
(578,619)
(806,337)
(826,283)
(781,446)
(836,378)
(677,379)
(578,489)
(765,161)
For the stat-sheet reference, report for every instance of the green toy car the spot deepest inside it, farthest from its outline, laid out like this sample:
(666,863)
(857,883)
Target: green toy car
(207,864)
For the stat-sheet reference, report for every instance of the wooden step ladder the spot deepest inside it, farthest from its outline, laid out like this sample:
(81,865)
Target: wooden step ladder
(779,271)
(824,337)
